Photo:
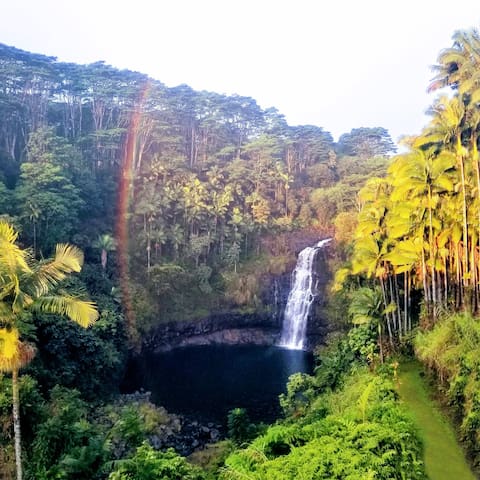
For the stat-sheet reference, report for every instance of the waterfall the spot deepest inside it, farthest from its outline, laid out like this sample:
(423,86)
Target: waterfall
(300,298)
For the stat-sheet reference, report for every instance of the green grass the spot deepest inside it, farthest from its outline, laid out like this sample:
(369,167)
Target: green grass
(443,456)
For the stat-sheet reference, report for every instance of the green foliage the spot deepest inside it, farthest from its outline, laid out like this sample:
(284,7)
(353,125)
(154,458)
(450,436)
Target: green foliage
(301,390)
(436,429)
(211,177)
(363,341)
(149,464)
(89,360)
(5,199)
(418,228)
(333,362)
(31,408)
(130,425)
(240,429)
(65,412)
(365,434)
(212,458)
(66,445)
(366,142)
(452,350)
(48,201)
(214,179)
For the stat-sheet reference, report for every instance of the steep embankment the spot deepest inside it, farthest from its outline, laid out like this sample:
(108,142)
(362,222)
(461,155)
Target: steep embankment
(444,459)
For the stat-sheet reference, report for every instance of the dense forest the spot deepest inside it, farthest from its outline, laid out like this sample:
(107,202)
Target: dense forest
(190,184)
(125,204)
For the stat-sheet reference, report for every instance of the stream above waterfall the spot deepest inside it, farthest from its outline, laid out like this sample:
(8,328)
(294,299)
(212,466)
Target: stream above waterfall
(208,381)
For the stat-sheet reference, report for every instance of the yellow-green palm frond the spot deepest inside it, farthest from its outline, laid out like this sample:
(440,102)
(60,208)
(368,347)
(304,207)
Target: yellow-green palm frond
(68,259)
(12,257)
(80,311)
(7,232)
(14,354)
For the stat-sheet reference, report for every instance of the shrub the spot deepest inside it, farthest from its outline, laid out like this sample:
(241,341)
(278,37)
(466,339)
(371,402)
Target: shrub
(149,464)
(240,429)
(361,433)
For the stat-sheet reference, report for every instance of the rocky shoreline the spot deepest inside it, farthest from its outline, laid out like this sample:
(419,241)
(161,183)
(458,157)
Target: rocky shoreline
(184,434)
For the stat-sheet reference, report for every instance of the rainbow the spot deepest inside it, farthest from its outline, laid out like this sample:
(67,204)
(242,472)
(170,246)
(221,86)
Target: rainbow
(123,204)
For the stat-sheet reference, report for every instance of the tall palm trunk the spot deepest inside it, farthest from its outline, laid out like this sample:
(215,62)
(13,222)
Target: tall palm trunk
(475,158)
(387,315)
(405,303)
(433,252)
(464,212)
(16,424)
(426,293)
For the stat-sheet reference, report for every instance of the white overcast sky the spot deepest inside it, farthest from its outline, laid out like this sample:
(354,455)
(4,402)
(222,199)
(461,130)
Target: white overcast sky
(339,64)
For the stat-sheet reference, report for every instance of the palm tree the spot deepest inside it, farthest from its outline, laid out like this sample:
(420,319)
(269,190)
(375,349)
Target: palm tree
(29,285)
(445,131)
(422,177)
(372,244)
(459,66)
(106,243)
(34,216)
(176,237)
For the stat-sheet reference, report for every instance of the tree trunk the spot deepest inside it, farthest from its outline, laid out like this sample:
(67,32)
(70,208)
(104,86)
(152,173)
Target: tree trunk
(104,258)
(16,424)
(466,280)
(387,315)
(433,254)
(426,294)
(34,239)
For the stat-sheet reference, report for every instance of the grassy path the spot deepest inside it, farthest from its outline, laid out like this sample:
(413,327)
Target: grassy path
(444,459)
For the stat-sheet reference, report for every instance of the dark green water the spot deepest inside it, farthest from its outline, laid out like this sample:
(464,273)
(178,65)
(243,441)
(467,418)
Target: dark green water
(208,381)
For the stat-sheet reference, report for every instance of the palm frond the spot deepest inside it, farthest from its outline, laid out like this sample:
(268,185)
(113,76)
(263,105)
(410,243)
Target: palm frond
(12,257)
(7,232)
(80,311)
(68,259)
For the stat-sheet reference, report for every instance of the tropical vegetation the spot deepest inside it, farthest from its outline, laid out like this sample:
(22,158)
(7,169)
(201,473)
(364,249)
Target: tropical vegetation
(164,204)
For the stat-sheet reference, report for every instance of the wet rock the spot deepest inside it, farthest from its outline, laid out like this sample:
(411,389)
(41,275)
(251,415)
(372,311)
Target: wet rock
(227,328)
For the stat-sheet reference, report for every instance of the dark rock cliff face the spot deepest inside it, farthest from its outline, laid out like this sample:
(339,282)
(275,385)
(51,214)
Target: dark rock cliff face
(318,326)
(225,328)
(276,295)
(258,328)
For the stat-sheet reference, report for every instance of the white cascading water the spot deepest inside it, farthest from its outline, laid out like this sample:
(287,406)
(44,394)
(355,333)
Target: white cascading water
(300,299)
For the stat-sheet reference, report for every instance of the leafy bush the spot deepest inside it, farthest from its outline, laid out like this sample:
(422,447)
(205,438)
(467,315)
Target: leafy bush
(363,341)
(149,464)
(131,424)
(90,361)
(240,429)
(66,445)
(333,362)
(364,435)
(301,390)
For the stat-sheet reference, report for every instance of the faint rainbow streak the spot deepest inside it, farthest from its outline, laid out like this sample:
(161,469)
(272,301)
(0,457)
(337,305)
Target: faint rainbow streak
(124,198)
